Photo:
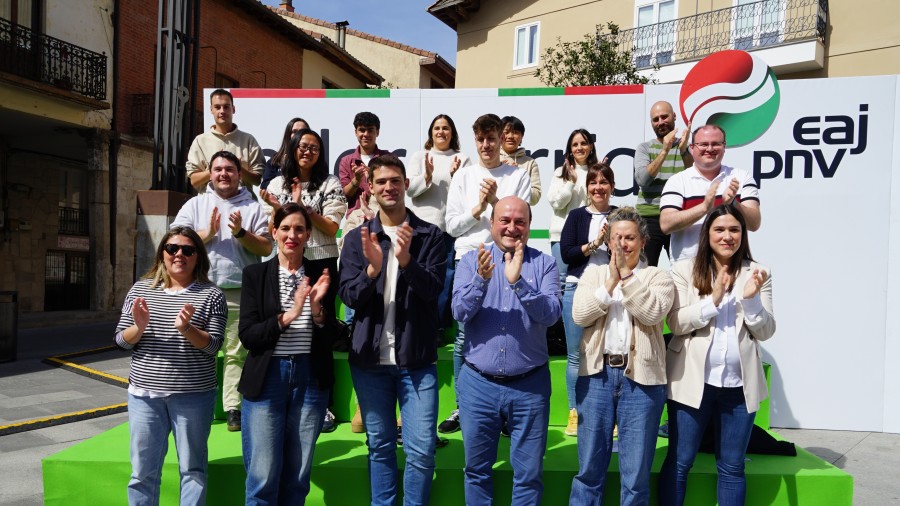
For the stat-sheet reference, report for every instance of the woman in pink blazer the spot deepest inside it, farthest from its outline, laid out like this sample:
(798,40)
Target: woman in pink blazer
(722,309)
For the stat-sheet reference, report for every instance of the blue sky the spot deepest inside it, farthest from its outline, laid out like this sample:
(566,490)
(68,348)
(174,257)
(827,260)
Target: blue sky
(405,21)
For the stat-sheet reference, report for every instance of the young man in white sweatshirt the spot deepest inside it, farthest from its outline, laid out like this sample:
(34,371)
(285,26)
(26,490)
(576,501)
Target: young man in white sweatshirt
(474,191)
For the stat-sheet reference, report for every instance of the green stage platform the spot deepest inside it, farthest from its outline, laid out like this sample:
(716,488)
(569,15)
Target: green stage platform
(95,472)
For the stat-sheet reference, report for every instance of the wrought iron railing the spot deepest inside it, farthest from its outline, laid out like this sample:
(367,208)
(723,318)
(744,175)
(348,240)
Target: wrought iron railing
(749,26)
(73,221)
(46,59)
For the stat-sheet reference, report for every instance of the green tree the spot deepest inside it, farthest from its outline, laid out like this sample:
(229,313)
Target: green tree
(592,61)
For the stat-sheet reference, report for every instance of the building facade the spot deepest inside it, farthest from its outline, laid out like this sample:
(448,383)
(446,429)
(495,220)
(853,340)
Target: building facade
(77,98)
(500,44)
(401,65)
(55,120)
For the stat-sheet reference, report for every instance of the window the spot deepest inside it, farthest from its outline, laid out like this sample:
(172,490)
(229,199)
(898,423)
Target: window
(22,12)
(654,41)
(329,85)
(758,23)
(223,81)
(526,45)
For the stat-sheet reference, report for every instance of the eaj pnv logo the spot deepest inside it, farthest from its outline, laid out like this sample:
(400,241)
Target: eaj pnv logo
(734,90)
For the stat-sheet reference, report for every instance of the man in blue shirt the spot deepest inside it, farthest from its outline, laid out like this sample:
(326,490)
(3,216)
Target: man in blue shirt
(507,295)
(391,273)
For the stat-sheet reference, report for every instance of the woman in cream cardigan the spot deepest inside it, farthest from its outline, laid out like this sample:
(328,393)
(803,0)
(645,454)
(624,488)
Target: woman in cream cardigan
(622,371)
(722,309)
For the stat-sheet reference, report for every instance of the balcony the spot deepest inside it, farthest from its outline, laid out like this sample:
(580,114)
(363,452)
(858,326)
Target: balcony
(73,221)
(789,35)
(48,60)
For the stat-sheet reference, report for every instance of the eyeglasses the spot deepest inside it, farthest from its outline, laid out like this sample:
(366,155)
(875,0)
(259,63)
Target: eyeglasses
(708,145)
(308,148)
(186,250)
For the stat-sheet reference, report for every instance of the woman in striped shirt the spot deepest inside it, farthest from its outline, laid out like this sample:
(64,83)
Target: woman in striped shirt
(287,328)
(174,320)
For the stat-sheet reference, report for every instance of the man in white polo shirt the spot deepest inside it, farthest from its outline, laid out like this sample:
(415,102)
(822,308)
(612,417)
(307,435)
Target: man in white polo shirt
(690,195)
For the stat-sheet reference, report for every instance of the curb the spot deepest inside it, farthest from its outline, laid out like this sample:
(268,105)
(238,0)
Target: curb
(62,362)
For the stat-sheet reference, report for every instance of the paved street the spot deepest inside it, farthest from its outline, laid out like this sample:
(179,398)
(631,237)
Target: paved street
(30,389)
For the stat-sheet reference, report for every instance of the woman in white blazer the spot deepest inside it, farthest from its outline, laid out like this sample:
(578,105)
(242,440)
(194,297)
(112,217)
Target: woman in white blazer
(722,308)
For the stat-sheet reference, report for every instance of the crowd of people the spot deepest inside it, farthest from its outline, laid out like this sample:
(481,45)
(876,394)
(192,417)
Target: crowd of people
(256,270)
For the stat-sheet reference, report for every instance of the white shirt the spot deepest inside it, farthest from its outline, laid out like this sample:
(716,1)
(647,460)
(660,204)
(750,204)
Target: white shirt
(429,201)
(564,197)
(601,256)
(618,321)
(688,189)
(388,332)
(723,361)
(465,190)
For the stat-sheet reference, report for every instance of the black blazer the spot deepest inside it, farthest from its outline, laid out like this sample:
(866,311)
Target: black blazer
(259,330)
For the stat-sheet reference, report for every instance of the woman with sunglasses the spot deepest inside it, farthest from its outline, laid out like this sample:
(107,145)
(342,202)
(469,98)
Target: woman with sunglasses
(287,328)
(722,310)
(173,320)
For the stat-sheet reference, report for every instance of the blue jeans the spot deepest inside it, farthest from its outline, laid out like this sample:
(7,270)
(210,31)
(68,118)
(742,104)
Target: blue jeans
(279,432)
(189,417)
(458,346)
(483,406)
(447,292)
(560,265)
(604,399)
(573,341)
(379,389)
(727,409)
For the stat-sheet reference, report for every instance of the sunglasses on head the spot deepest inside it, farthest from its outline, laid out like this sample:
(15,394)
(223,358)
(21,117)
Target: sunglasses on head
(186,250)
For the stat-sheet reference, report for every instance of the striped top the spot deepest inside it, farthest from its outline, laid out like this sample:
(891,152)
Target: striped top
(164,360)
(297,338)
(650,189)
(328,200)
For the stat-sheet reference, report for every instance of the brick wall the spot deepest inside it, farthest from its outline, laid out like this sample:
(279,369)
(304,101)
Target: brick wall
(233,43)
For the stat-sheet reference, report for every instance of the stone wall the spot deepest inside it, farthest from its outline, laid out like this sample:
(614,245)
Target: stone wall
(135,168)
(33,193)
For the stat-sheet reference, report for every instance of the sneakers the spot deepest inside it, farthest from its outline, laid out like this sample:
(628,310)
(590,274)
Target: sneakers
(328,424)
(664,430)
(451,424)
(356,425)
(572,426)
(234,420)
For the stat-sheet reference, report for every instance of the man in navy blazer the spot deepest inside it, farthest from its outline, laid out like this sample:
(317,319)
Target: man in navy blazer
(391,273)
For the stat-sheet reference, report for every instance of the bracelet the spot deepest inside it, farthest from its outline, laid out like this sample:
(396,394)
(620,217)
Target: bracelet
(320,313)
(241,233)
(628,276)
(354,184)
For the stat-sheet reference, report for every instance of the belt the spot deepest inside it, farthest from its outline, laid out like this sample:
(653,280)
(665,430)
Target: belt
(617,361)
(495,378)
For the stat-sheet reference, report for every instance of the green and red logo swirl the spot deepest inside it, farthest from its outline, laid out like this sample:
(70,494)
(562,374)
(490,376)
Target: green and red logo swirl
(734,90)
